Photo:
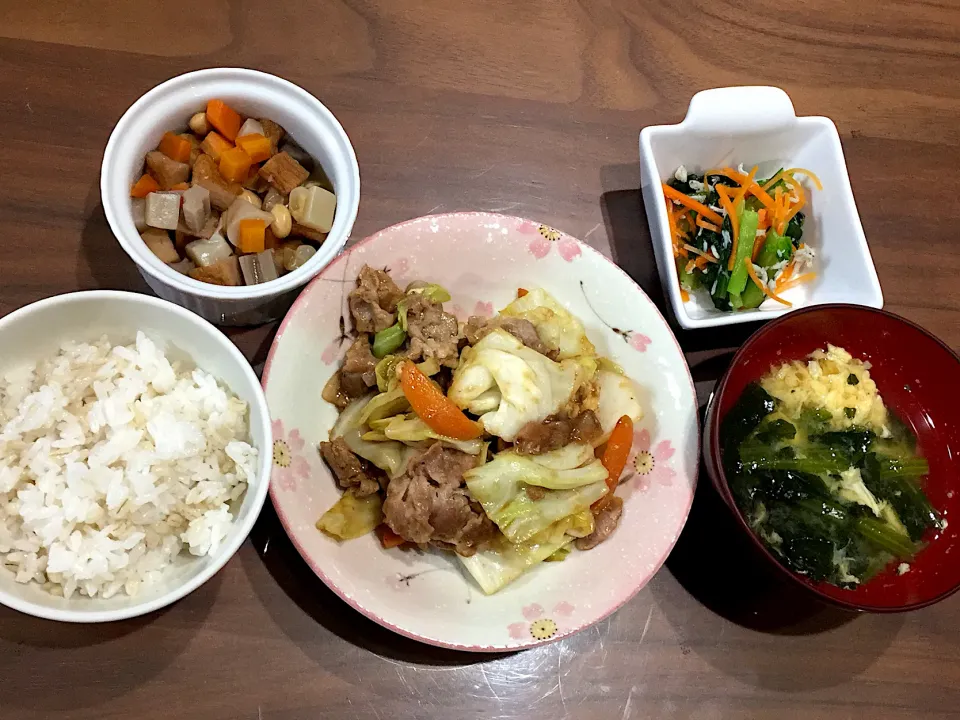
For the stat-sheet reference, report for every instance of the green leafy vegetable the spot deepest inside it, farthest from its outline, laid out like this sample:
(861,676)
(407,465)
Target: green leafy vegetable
(749,221)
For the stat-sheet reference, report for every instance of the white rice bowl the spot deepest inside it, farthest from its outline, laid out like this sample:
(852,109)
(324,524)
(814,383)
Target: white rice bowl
(114,463)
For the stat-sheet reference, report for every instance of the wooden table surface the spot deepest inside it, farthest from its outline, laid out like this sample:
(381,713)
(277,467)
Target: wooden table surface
(527,107)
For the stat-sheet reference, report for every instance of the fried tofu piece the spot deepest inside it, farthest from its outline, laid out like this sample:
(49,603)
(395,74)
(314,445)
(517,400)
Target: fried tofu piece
(160,245)
(222,192)
(283,172)
(298,230)
(273,132)
(225,272)
(167,172)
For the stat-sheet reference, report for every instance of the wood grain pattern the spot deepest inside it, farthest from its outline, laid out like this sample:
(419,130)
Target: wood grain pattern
(529,107)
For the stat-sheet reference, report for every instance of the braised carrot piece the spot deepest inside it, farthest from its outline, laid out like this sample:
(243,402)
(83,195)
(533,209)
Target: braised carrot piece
(215,144)
(224,118)
(521,292)
(252,235)
(256,146)
(235,165)
(180,186)
(144,186)
(175,147)
(435,408)
(388,538)
(615,455)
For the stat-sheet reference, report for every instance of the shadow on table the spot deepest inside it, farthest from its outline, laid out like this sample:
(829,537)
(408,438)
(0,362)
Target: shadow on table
(298,583)
(52,666)
(103,263)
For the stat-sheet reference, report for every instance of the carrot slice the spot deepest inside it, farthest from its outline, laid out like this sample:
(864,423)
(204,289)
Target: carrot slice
(684,295)
(615,455)
(252,235)
(144,186)
(175,147)
(521,292)
(763,288)
(256,146)
(224,118)
(388,538)
(689,202)
(435,408)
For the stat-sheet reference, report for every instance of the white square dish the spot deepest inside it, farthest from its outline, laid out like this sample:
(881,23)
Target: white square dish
(758,126)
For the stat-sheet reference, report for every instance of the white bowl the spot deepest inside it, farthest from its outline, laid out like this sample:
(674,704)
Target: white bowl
(38,330)
(758,126)
(168,107)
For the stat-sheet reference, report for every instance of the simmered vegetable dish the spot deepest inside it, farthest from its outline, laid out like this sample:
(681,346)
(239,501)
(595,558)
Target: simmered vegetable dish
(233,201)
(827,477)
(501,439)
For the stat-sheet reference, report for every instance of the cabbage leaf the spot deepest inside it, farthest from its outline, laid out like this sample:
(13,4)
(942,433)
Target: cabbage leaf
(388,456)
(352,517)
(530,386)
(617,397)
(556,326)
(503,562)
(500,487)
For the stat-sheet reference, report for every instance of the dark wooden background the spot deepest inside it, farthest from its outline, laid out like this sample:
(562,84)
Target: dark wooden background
(527,107)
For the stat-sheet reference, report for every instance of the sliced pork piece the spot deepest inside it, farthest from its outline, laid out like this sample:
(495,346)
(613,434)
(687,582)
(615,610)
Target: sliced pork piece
(556,432)
(350,470)
(361,362)
(373,303)
(429,503)
(523,330)
(433,332)
(606,519)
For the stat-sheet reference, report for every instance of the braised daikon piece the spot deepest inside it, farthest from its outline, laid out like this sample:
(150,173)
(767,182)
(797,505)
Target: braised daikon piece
(162,210)
(250,126)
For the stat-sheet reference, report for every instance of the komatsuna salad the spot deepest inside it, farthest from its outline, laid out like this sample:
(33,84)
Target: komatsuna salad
(500,439)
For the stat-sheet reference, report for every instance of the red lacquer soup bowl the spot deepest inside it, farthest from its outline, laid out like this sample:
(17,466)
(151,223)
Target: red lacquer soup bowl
(918,378)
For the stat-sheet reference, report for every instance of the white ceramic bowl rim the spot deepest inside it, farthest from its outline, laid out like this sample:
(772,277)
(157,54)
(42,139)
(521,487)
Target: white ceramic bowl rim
(229,548)
(349,200)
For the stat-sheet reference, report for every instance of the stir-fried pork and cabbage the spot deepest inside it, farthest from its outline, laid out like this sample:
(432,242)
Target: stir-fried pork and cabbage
(500,439)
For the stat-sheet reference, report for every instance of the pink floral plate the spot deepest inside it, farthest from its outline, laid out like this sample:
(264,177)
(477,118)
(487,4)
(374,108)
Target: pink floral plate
(482,259)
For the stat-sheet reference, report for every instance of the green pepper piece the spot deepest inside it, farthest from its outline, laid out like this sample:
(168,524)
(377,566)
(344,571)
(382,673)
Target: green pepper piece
(388,340)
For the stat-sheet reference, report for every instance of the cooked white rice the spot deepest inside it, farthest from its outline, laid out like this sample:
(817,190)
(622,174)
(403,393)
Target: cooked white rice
(112,461)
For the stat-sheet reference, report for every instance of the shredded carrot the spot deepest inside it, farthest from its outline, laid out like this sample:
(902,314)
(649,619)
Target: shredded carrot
(706,256)
(690,266)
(684,295)
(738,177)
(812,176)
(742,192)
(806,277)
(774,180)
(789,216)
(762,218)
(671,221)
(763,288)
(689,202)
(734,224)
(706,225)
(784,275)
(758,245)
